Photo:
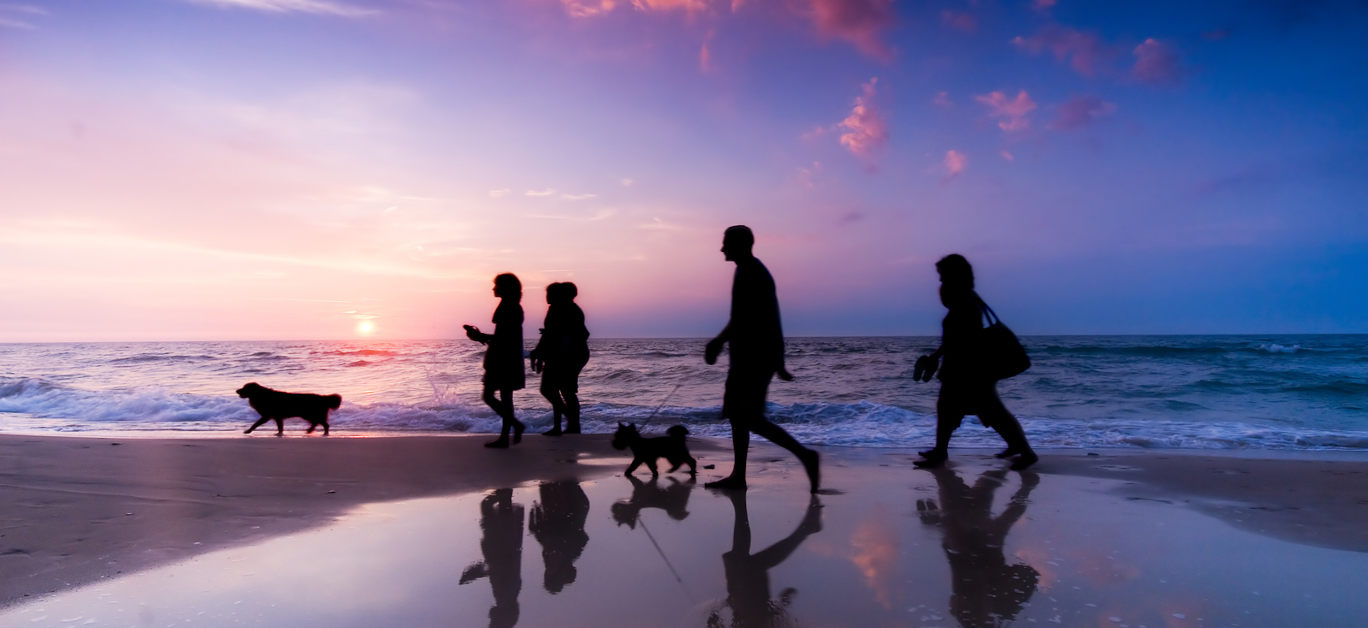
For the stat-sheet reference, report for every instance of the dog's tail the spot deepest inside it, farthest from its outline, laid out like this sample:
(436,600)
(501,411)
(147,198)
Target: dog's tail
(334,401)
(677,431)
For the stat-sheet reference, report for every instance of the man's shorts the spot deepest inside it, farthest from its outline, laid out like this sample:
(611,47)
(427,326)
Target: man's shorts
(745,395)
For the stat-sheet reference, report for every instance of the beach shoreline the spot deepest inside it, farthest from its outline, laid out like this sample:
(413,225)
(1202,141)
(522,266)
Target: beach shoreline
(82,509)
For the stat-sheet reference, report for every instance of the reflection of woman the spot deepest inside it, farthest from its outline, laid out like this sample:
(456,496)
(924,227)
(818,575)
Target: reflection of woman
(748,585)
(558,523)
(985,590)
(964,388)
(501,522)
(503,361)
(561,354)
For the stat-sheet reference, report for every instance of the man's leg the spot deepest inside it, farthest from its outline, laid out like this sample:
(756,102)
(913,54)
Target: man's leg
(777,435)
(740,447)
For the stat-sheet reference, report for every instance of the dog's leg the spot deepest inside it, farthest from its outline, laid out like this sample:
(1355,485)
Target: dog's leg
(693,464)
(651,464)
(280,426)
(636,462)
(325,426)
(256,425)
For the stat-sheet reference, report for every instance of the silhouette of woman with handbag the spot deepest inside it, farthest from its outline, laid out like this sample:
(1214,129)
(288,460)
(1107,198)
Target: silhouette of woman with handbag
(971,360)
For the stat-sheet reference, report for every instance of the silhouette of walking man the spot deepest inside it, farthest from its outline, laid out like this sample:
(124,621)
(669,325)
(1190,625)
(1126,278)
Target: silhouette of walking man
(756,339)
(557,521)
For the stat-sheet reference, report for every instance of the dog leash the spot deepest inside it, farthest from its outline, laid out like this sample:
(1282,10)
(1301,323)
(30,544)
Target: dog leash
(665,558)
(660,405)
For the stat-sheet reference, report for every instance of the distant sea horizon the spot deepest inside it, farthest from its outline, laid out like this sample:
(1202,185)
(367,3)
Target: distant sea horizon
(1261,392)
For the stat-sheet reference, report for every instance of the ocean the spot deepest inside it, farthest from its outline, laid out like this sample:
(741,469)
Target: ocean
(1292,393)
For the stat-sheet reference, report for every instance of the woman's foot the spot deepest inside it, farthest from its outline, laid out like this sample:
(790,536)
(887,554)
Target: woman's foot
(574,429)
(729,483)
(927,452)
(1007,453)
(498,443)
(518,427)
(555,431)
(932,458)
(1026,459)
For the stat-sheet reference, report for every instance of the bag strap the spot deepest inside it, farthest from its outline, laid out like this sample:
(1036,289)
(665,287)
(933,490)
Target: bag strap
(989,313)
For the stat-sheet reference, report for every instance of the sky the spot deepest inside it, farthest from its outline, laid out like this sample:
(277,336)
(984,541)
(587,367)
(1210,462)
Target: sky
(352,169)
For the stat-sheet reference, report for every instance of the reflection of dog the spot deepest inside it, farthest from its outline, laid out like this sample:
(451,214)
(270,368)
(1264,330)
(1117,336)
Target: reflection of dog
(673,499)
(277,405)
(645,450)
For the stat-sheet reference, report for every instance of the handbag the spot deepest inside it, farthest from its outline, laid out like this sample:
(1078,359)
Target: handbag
(1001,354)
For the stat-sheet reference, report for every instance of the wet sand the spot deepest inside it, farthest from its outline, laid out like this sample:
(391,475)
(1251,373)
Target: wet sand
(415,531)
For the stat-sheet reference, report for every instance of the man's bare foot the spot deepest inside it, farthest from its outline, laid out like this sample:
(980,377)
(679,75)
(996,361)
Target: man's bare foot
(1025,460)
(1007,453)
(518,427)
(933,458)
(729,483)
(498,443)
(555,431)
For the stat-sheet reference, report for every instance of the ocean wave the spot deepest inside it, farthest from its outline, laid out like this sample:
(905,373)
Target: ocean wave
(362,352)
(160,357)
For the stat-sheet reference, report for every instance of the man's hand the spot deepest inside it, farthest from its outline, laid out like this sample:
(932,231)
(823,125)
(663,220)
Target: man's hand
(785,375)
(713,349)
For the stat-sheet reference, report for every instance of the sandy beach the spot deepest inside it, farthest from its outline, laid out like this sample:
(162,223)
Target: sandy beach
(1106,537)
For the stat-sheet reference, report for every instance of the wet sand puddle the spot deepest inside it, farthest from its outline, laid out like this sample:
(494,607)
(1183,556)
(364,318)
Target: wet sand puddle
(970,545)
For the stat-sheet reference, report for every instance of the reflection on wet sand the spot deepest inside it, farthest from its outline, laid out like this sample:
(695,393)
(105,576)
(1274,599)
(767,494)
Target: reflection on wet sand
(748,584)
(673,499)
(557,522)
(501,521)
(986,591)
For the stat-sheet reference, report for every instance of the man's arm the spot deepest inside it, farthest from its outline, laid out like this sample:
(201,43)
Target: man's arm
(714,347)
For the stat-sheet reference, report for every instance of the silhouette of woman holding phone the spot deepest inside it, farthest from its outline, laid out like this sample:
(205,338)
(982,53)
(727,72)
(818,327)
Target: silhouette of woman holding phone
(503,360)
(561,354)
(965,389)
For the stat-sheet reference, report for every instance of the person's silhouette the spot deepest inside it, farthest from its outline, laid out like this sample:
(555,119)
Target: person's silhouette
(501,520)
(503,360)
(748,583)
(557,521)
(965,389)
(985,590)
(673,499)
(561,354)
(756,340)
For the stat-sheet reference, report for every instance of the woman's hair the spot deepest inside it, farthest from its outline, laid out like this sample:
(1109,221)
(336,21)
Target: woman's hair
(954,269)
(508,285)
(568,290)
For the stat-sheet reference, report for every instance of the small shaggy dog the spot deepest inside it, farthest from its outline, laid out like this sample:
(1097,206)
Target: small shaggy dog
(274,404)
(645,450)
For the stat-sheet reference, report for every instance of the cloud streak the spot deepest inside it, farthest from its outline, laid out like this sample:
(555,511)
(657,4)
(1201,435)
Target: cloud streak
(1084,52)
(316,7)
(860,22)
(1081,111)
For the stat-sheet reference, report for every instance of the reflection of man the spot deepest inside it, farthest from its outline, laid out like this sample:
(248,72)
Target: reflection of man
(756,339)
(558,523)
(986,591)
(748,585)
(502,522)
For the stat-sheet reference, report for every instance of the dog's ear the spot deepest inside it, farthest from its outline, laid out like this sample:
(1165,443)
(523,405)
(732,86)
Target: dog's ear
(620,425)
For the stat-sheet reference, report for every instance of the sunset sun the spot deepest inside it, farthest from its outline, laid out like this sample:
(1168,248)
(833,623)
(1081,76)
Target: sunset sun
(365,328)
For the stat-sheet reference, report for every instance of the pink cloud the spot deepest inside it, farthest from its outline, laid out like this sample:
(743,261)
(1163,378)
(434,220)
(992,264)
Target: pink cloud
(955,163)
(1011,112)
(1079,111)
(963,22)
(1156,62)
(588,8)
(866,130)
(688,6)
(860,22)
(1006,154)
(1083,51)
(942,100)
(1042,5)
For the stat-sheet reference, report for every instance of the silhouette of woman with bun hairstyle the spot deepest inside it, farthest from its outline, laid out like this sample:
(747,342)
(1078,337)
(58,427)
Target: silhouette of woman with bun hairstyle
(561,354)
(965,389)
(503,360)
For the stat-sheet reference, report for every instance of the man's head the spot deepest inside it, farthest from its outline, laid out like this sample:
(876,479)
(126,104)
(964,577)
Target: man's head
(737,242)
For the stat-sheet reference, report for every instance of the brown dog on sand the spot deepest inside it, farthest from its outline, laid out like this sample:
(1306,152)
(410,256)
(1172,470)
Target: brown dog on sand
(277,405)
